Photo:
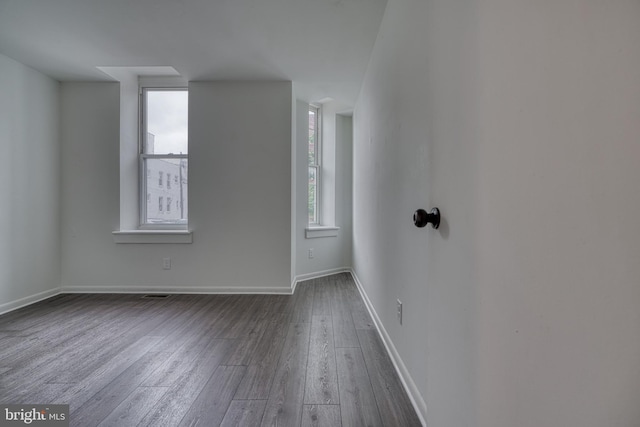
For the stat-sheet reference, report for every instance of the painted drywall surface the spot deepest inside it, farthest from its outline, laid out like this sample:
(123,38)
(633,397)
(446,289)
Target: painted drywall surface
(559,317)
(520,121)
(294,183)
(129,162)
(414,147)
(90,135)
(344,184)
(239,191)
(329,253)
(30,176)
(240,164)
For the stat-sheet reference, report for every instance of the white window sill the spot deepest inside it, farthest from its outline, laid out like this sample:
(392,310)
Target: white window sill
(153,236)
(321,231)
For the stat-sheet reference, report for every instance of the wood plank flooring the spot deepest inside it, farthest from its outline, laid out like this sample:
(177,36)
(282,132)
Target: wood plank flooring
(310,359)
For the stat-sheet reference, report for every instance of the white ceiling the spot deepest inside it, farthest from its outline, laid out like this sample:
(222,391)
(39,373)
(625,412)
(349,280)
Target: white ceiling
(323,46)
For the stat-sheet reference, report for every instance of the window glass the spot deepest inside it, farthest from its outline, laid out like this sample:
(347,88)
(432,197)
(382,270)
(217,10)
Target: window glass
(166,120)
(313,157)
(156,211)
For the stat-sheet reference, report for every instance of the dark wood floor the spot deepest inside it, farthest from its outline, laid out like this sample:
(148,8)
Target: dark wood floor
(310,359)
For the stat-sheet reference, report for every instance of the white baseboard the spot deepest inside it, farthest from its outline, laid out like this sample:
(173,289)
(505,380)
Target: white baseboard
(315,275)
(412,390)
(280,290)
(23,302)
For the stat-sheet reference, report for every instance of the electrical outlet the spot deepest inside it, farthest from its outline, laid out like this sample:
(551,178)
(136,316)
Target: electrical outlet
(399,309)
(166,263)
(310,253)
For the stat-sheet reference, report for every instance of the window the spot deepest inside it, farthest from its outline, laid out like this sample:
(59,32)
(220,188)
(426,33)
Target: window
(321,166)
(314,159)
(164,148)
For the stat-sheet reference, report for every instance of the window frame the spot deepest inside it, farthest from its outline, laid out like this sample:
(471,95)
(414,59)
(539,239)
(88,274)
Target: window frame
(143,157)
(317,166)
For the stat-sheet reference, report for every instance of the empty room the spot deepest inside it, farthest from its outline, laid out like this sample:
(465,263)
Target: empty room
(320,213)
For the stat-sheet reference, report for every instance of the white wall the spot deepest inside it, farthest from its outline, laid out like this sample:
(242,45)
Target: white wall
(30,177)
(559,171)
(239,194)
(344,185)
(90,136)
(520,121)
(129,162)
(240,182)
(329,253)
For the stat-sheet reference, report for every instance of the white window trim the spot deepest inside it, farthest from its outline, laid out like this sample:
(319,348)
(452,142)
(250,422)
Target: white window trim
(314,232)
(152,236)
(131,79)
(144,86)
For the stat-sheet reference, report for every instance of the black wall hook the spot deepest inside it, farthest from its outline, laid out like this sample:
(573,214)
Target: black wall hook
(422,218)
